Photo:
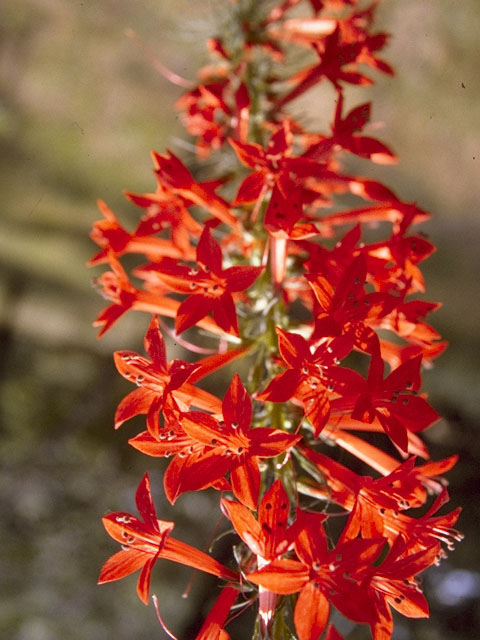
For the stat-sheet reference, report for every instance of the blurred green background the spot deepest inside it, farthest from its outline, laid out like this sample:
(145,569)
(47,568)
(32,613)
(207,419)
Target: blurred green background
(80,108)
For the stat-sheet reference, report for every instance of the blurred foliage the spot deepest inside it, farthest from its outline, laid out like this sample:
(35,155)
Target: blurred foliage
(80,108)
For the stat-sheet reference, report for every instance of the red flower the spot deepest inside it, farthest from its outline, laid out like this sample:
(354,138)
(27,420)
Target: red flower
(171,171)
(116,287)
(378,506)
(344,307)
(269,536)
(232,446)
(394,584)
(345,135)
(321,577)
(212,286)
(311,376)
(273,166)
(143,542)
(165,210)
(336,54)
(155,378)
(159,381)
(390,400)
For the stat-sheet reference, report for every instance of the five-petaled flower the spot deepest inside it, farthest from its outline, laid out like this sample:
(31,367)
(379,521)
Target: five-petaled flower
(211,287)
(144,541)
(231,446)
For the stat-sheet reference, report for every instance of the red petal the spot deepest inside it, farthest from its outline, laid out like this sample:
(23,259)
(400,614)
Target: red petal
(155,345)
(122,564)
(209,253)
(143,584)
(311,542)
(245,525)
(212,363)
(225,314)
(282,387)
(193,309)
(237,406)
(203,472)
(311,612)
(317,408)
(212,627)
(273,515)
(180,372)
(183,553)
(135,403)
(407,375)
(293,347)
(281,576)
(146,508)
(249,154)
(357,118)
(241,278)
(199,398)
(268,443)
(204,429)
(414,412)
(245,481)
(148,445)
(394,428)
(323,290)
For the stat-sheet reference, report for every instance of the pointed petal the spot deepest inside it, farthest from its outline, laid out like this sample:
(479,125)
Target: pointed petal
(249,154)
(293,347)
(311,612)
(282,387)
(193,309)
(311,541)
(245,525)
(212,363)
(122,564)
(143,584)
(250,189)
(180,372)
(183,553)
(241,278)
(209,253)
(268,443)
(146,508)
(204,429)
(153,416)
(203,471)
(135,403)
(273,515)
(155,345)
(317,408)
(281,576)
(214,622)
(193,396)
(323,290)
(150,446)
(407,375)
(237,406)
(225,314)
(245,481)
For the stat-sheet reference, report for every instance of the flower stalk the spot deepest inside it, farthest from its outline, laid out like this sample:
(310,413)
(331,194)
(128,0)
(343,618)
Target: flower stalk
(262,267)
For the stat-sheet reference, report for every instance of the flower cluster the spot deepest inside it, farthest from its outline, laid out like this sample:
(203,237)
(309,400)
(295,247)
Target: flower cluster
(258,264)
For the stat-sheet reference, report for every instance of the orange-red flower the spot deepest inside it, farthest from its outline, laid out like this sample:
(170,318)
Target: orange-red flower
(210,285)
(322,577)
(144,541)
(231,446)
